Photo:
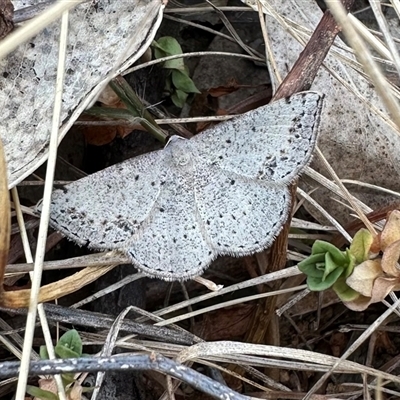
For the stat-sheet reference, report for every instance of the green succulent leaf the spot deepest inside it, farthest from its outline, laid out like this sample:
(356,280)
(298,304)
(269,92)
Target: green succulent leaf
(168,88)
(351,263)
(88,389)
(325,265)
(311,265)
(68,379)
(344,291)
(179,98)
(182,82)
(178,83)
(40,393)
(65,352)
(176,64)
(317,284)
(330,265)
(337,256)
(44,355)
(361,245)
(169,46)
(69,345)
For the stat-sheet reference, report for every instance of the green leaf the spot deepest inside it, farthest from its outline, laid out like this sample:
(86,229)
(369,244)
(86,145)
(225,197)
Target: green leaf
(182,82)
(179,98)
(330,265)
(337,255)
(169,46)
(88,389)
(325,265)
(64,352)
(168,85)
(40,393)
(351,264)
(361,245)
(69,345)
(44,355)
(344,291)
(68,378)
(317,285)
(175,64)
(158,53)
(310,265)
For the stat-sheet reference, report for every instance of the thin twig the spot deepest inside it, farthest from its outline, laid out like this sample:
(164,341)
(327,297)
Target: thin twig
(192,54)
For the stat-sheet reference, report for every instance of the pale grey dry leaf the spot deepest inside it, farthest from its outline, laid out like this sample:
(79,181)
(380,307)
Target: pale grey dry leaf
(357,142)
(102,36)
(225,191)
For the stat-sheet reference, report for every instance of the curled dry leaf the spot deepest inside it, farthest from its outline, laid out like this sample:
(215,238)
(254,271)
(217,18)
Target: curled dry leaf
(382,286)
(76,392)
(375,279)
(390,258)
(391,231)
(363,277)
(360,304)
(109,98)
(55,290)
(48,385)
(104,134)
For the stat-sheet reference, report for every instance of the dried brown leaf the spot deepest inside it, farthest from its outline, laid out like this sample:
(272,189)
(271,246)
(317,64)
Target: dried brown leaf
(382,287)
(363,277)
(390,258)
(391,231)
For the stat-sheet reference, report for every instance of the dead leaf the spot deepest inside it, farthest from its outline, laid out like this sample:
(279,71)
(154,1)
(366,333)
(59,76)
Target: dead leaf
(47,384)
(391,230)
(359,304)
(382,287)
(75,392)
(109,98)
(390,258)
(94,56)
(363,277)
(55,290)
(230,87)
(375,279)
(338,343)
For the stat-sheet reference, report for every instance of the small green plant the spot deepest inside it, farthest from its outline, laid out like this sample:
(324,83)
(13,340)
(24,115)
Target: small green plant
(68,346)
(363,274)
(178,82)
(326,267)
